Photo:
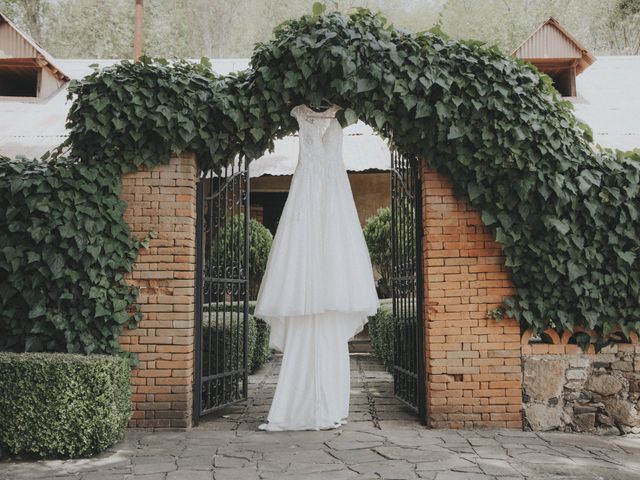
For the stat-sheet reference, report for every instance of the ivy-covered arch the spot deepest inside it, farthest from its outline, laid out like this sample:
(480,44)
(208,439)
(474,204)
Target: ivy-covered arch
(565,214)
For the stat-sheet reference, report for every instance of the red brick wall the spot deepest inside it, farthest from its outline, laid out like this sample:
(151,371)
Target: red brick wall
(473,363)
(163,200)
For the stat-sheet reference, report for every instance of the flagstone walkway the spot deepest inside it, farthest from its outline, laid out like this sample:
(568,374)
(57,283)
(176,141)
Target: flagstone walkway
(382,441)
(372,403)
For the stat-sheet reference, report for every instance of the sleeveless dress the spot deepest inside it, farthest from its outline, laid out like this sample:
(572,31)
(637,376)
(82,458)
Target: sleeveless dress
(318,288)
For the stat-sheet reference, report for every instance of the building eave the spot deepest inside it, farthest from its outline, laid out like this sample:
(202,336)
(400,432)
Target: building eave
(41,53)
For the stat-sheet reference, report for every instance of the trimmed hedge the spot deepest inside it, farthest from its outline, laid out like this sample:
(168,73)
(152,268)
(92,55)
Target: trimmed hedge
(262,353)
(377,233)
(260,240)
(258,345)
(62,405)
(381,333)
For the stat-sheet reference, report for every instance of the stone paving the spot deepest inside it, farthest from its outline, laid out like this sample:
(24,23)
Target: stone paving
(371,403)
(382,441)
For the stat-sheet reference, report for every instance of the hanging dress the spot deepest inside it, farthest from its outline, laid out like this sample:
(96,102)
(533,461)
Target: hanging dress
(318,288)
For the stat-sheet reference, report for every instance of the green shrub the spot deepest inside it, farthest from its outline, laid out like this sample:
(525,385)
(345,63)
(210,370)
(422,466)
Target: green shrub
(228,337)
(223,336)
(377,233)
(262,352)
(64,251)
(381,334)
(260,240)
(54,404)
(231,306)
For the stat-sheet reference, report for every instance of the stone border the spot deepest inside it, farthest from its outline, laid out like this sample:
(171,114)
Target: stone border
(571,390)
(560,344)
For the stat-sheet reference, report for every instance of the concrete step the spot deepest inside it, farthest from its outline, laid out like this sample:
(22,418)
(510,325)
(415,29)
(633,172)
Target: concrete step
(360,346)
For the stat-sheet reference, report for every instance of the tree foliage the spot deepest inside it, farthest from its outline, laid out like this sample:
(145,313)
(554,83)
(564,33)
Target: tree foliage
(566,216)
(223,29)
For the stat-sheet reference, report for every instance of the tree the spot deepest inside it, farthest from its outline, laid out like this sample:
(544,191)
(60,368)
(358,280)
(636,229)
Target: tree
(28,15)
(623,27)
(507,23)
(91,29)
(223,29)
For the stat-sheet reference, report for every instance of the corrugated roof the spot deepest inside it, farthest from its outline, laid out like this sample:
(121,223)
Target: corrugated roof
(362,150)
(552,41)
(609,94)
(23,46)
(32,128)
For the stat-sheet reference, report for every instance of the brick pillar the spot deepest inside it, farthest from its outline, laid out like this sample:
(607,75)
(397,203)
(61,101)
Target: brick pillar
(473,363)
(163,200)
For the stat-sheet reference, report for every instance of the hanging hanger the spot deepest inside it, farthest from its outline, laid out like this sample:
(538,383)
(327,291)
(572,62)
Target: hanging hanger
(325,104)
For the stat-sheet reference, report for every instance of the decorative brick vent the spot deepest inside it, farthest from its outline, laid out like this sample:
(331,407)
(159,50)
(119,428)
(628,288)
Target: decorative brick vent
(574,391)
(163,200)
(473,363)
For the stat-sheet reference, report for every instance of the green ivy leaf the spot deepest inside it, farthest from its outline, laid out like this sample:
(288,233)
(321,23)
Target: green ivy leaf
(628,257)
(350,116)
(488,218)
(455,132)
(474,191)
(560,225)
(365,85)
(318,8)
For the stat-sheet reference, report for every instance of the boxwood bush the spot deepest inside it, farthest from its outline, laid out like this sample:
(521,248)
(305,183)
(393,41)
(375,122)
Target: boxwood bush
(259,351)
(262,352)
(62,405)
(260,240)
(381,333)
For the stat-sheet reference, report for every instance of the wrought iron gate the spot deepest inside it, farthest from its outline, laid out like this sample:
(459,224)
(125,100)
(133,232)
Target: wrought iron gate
(222,289)
(406,284)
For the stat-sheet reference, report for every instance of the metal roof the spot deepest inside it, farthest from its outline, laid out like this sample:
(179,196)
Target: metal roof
(15,43)
(31,128)
(609,101)
(552,41)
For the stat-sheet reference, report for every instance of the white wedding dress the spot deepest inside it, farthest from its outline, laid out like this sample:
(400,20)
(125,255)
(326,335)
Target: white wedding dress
(318,288)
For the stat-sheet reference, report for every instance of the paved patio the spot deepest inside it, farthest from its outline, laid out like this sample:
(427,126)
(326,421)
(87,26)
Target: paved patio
(382,440)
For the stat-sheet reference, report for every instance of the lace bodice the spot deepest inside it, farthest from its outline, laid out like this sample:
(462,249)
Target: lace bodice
(320,136)
(319,260)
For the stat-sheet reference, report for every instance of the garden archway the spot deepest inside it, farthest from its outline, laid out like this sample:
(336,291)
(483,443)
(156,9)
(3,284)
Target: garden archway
(489,124)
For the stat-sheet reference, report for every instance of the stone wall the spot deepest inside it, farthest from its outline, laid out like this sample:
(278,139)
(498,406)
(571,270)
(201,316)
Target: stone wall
(568,390)
(473,363)
(162,200)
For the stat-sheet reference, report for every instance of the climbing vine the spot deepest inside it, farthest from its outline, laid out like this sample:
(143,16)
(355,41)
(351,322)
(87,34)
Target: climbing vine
(565,214)
(64,251)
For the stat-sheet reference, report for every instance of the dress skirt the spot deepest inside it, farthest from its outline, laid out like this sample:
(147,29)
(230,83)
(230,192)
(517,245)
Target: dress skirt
(314,382)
